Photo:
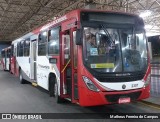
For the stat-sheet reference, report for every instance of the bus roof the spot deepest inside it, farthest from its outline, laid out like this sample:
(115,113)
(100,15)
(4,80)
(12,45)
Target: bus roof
(69,15)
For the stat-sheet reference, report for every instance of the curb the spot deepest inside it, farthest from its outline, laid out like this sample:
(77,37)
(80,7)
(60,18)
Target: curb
(150,103)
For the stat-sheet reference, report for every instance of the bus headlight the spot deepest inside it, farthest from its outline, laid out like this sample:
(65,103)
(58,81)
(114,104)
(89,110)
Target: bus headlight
(90,84)
(148,79)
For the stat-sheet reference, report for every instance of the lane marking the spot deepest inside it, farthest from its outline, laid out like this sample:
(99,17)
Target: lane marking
(155,106)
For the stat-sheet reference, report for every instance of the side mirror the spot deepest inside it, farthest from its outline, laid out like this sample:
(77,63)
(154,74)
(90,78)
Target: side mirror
(78,37)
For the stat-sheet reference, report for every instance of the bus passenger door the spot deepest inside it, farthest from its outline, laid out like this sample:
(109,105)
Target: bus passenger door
(65,76)
(33,59)
(74,61)
(14,59)
(5,60)
(68,66)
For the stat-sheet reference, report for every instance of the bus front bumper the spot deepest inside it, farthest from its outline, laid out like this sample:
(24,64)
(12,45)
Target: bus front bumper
(91,98)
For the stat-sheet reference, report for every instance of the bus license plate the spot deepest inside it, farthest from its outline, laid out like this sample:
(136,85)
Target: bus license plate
(124,100)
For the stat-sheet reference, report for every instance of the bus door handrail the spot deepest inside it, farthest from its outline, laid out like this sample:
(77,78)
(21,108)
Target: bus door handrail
(66,65)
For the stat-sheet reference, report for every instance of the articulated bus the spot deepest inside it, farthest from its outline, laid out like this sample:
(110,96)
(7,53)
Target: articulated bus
(113,69)
(5,58)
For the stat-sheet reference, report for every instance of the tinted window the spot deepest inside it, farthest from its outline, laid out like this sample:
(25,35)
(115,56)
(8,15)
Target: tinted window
(42,43)
(21,45)
(26,47)
(3,53)
(18,49)
(53,44)
(8,53)
(12,50)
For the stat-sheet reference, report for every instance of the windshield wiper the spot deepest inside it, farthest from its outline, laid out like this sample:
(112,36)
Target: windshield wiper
(106,31)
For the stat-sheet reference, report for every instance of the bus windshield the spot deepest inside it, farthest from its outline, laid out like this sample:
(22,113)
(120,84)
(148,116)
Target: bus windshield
(108,49)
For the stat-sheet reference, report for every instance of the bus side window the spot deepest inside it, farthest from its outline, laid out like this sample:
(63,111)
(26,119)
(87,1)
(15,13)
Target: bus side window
(137,43)
(3,54)
(21,46)
(26,47)
(42,41)
(12,50)
(18,49)
(8,53)
(53,41)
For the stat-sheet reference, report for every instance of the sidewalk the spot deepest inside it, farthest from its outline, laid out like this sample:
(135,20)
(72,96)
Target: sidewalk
(152,100)
(155,85)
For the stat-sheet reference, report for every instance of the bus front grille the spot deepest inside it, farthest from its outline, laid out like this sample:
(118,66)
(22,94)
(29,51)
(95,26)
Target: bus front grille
(115,97)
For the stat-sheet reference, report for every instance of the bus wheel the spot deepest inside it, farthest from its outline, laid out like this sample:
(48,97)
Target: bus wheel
(9,68)
(57,97)
(51,86)
(22,81)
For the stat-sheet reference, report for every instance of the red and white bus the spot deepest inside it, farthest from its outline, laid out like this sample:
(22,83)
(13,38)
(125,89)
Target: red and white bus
(57,58)
(5,58)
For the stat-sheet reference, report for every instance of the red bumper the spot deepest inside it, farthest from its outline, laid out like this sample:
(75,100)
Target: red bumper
(91,98)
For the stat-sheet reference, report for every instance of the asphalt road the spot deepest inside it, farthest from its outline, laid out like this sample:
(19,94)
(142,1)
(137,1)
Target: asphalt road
(25,98)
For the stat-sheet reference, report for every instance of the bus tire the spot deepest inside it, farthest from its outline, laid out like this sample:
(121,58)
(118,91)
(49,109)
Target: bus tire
(51,86)
(57,97)
(22,81)
(10,69)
